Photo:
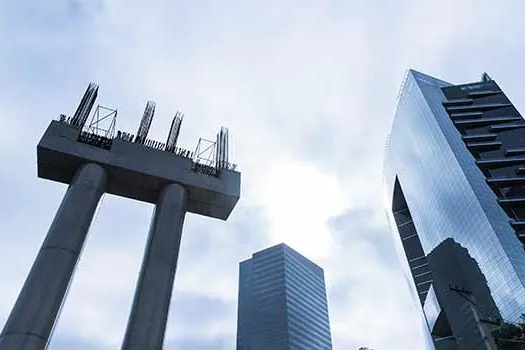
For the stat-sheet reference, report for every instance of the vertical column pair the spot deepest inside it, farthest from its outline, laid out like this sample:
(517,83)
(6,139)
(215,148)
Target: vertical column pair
(35,312)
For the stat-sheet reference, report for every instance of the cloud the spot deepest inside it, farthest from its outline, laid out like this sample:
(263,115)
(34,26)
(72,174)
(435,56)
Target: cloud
(298,199)
(74,342)
(308,91)
(198,343)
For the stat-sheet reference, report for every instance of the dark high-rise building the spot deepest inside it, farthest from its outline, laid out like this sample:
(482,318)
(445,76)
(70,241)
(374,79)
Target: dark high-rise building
(455,169)
(282,302)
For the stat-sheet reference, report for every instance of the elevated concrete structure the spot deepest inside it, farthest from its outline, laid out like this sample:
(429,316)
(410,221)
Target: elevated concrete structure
(144,170)
(136,171)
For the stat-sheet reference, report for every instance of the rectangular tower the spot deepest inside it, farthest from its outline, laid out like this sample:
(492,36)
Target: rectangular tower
(454,172)
(282,302)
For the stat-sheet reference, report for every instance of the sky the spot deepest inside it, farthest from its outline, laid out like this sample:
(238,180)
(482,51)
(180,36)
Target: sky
(308,91)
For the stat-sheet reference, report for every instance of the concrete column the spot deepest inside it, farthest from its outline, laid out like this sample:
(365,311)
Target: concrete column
(149,314)
(33,317)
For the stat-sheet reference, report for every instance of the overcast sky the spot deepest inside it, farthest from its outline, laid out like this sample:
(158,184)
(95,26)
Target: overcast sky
(308,90)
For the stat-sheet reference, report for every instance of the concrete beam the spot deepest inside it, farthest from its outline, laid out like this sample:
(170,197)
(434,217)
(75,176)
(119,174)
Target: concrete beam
(136,171)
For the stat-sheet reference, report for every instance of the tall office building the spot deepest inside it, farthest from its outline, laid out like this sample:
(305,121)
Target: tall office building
(454,180)
(282,302)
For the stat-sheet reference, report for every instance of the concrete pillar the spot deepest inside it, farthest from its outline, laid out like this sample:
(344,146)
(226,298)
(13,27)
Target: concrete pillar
(149,314)
(33,317)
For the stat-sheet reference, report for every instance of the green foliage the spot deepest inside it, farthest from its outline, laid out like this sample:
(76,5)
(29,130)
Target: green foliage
(510,336)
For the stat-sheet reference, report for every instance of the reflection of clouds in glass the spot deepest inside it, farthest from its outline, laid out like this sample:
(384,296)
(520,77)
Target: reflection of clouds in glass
(447,194)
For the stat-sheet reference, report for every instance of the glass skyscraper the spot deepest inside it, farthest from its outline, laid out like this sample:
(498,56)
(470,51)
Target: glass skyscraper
(282,302)
(455,171)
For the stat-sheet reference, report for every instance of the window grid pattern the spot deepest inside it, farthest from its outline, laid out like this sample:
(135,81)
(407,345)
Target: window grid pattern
(447,193)
(284,304)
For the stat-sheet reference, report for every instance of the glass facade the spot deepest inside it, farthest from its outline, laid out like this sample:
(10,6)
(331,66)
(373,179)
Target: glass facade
(448,165)
(282,302)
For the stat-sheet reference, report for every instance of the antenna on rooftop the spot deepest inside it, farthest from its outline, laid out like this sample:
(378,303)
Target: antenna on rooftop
(485,77)
(145,122)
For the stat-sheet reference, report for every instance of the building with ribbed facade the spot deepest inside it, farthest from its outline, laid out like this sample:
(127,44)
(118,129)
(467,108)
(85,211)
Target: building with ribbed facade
(282,302)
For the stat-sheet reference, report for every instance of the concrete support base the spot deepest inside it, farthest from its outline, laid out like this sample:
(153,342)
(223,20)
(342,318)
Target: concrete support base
(149,314)
(36,310)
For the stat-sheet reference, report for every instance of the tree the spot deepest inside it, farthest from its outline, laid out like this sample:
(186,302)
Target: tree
(510,336)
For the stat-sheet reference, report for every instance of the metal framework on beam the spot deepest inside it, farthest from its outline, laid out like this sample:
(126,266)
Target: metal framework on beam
(204,160)
(173,134)
(210,157)
(145,122)
(103,122)
(85,106)
(221,157)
